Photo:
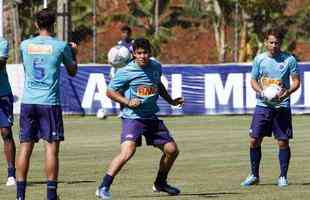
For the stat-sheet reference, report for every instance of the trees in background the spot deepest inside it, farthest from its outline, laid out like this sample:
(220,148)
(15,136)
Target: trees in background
(238,25)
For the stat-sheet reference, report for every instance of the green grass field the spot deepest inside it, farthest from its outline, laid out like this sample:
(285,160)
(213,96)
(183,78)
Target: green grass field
(213,161)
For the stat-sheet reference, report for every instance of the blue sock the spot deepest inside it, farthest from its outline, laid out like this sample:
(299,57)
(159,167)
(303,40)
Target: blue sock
(11,172)
(106,181)
(255,157)
(20,190)
(51,190)
(284,159)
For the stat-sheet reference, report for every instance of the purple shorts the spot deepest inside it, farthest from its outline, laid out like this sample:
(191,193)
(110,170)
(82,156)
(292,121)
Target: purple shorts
(154,131)
(41,122)
(6,111)
(267,120)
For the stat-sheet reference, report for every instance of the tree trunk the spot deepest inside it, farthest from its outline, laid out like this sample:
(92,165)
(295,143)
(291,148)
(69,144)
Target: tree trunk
(16,32)
(219,26)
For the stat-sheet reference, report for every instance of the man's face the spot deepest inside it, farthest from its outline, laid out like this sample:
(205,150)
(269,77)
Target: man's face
(142,56)
(126,35)
(273,45)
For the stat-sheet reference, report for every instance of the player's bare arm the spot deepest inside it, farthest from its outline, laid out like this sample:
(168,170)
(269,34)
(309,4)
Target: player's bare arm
(164,94)
(72,68)
(295,84)
(256,86)
(118,97)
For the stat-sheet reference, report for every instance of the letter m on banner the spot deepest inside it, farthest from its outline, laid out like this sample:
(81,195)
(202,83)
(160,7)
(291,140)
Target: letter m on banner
(218,91)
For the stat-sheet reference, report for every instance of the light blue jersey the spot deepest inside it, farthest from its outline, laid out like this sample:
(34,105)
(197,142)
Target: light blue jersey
(139,82)
(274,70)
(42,57)
(5,87)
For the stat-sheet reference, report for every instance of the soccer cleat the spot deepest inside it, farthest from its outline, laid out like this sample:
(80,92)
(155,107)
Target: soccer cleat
(282,181)
(250,180)
(11,181)
(164,187)
(103,193)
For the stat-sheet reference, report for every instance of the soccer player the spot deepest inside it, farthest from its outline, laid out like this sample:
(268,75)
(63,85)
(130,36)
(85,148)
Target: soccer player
(272,67)
(140,83)
(126,39)
(6,113)
(41,114)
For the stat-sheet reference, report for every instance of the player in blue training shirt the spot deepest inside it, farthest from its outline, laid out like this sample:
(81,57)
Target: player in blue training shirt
(41,114)
(140,83)
(272,67)
(6,113)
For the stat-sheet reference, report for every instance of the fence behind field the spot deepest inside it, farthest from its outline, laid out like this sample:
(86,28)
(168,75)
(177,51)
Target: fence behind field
(207,89)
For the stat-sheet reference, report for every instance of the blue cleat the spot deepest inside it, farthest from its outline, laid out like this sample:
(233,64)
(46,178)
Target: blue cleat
(164,187)
(103,193)
(282,181)
(250,180)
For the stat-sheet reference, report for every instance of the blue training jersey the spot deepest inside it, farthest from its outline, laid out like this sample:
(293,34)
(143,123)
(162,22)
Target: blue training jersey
(274,70)
(42,57)
(5,87)
(139,82)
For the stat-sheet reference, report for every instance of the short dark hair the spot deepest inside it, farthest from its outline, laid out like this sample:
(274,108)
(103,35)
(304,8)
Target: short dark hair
(276,32)
(126,28)
(142,43)
(45,18)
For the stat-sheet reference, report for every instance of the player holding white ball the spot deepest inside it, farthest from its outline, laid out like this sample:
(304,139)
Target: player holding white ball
(271,74)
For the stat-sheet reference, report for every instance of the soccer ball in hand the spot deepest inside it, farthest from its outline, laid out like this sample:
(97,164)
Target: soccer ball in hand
(101,113)
(119,56)
(271,92)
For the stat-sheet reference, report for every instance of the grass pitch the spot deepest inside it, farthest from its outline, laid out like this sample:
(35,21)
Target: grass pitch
(213,161)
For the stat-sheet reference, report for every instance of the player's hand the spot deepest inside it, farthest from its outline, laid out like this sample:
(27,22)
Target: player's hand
(178,101)
(134,103)
(282,95)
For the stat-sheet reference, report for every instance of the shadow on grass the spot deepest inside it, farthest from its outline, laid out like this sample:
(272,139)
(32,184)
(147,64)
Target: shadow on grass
(206,195)
(33,183)
(275,184)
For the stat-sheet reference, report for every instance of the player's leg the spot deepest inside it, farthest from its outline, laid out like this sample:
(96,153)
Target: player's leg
(52,131)
(282,128)
(260,127)
(51,168)
(22,165)
(158,135)
(9,152)
(128,149)
(6,122)
(130,138)
(170,154)
(28,137)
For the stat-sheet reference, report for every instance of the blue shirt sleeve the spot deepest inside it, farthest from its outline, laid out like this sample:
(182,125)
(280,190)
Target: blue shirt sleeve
(294,69)
(4,49)
(67,56)
(255,69)
(120,81)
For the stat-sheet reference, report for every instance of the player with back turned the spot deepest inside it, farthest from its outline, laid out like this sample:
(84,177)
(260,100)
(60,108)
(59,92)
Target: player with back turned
(273,67)
(41,114)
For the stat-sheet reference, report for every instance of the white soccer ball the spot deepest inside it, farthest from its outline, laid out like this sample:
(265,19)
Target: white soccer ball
(271,92)
(119,56)
(101,113)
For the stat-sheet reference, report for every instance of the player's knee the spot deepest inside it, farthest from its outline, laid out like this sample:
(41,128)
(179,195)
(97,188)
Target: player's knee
(172,150)
(283,144)
(6,134)
(254,143)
